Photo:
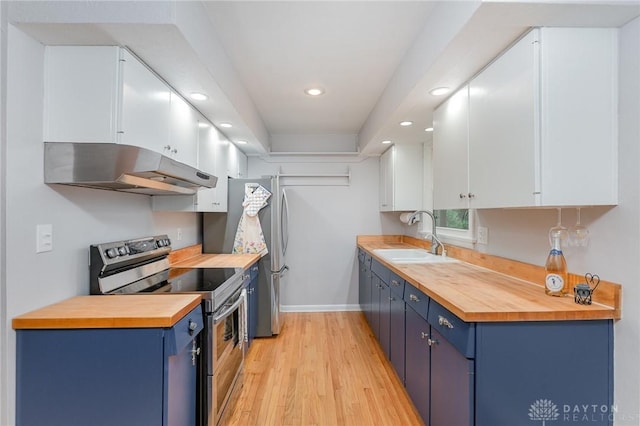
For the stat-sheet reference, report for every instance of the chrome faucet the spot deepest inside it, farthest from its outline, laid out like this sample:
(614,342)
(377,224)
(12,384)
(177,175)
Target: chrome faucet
(435,242)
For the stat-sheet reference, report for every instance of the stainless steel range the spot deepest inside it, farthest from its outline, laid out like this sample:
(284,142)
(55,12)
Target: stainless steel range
(142,266)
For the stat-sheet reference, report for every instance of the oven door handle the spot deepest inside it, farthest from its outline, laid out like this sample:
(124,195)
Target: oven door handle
(229,311)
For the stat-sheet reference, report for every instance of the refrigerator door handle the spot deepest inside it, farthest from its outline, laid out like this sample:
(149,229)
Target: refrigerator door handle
(281,271)
(284,222)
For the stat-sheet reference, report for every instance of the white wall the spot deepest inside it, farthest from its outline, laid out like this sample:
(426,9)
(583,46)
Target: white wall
(79,216)
(4,384)
(324,222)
(614,252)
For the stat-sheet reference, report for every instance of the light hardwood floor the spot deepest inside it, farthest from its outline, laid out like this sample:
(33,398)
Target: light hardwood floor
(323,369)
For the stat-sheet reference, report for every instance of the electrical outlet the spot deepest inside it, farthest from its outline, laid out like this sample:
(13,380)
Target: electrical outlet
(483,235)
(179,234)
(44,238)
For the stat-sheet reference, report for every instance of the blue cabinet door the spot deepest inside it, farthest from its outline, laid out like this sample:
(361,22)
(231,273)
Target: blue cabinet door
(384,318)
(418,362)
(375,305)
(252,327)
(397,334)
(452,384)
(565,365)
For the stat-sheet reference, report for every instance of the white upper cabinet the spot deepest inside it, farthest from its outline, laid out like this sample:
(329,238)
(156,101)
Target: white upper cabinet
(183,139)
(212,158)
(401,178)
(104,94)
(543,122)
(450,152)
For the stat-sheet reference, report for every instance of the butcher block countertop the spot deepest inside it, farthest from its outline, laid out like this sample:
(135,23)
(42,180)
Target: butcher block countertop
(192,257)
(111,311)
(485,288)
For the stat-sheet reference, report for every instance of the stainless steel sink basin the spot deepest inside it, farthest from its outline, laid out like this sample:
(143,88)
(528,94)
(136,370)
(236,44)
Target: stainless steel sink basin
(411,256)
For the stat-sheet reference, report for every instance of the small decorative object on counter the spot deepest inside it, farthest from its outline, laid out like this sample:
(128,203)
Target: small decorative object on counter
(582,292)
(556,282)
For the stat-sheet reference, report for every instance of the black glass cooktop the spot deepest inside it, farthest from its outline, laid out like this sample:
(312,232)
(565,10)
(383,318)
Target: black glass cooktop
(199,279)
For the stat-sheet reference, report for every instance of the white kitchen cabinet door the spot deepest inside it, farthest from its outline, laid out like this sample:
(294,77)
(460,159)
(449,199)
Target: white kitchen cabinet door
(503,130)
(183,139)
(212,158)
(451,152)
(82,93)
(145,115)
(542,122)
(401,178)
(243,165)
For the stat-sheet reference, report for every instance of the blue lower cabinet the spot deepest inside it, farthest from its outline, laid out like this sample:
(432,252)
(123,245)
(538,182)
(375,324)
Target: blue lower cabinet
(418,362)
(490,373)
(397,335)
(556,371)
(251,286)
(106,377)
(452,384)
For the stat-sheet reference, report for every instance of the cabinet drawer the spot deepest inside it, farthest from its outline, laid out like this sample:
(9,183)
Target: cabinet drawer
(396,283)
(459,333)
(185,330)
(416,299)
(253,270)
(380,270)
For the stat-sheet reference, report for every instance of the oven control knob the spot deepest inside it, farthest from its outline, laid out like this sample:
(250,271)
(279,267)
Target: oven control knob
(160,243)
(167,242)
(122,250)
(112,252)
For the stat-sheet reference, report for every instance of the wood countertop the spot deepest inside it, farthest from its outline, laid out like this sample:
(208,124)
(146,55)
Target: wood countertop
(192,257)
(479,293)
(111,311)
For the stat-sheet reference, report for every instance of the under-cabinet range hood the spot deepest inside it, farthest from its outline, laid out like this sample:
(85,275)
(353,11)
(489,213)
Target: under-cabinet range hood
(119,167)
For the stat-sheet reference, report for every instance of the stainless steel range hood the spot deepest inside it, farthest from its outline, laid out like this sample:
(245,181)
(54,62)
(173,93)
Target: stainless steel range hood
(118,167)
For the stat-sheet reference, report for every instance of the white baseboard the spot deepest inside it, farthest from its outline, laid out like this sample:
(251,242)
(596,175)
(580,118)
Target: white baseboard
(319,308)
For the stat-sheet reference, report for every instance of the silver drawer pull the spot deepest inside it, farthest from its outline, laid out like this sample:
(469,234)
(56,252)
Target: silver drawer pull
(424,335)
(395,282)
(432,342)
(413,298)
(443,321)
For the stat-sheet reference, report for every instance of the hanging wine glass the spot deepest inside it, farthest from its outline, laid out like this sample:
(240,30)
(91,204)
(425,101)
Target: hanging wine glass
(578,233)
(559,230)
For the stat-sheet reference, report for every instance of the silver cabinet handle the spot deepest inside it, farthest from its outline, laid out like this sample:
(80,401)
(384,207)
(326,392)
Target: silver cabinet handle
(391,299)
(194,352)
(192,327)
(463,196)
(443,321)
(471,195)
(413,298)
(395,282)
(432,342)
(424,335)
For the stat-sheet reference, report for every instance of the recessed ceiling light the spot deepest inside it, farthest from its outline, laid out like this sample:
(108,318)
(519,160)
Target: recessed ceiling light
(199,96)
(386,142)
(314,91)
(406,123)
(429,129)
(226,125)
(439,91)
(203,125)
(242,142)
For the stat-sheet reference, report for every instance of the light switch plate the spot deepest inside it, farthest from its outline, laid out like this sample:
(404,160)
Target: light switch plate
(483,235)
(44,238)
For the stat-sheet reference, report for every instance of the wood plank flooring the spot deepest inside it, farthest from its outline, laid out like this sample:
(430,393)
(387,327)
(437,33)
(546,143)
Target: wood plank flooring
(323,369)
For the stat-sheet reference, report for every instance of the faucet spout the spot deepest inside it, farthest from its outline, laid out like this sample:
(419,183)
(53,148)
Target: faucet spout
(435,242)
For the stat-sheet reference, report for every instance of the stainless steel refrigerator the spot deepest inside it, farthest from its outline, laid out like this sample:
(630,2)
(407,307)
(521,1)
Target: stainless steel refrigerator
(219,231)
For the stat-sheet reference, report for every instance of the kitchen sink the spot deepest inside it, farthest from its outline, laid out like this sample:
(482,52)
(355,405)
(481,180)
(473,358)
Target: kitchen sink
(411,256)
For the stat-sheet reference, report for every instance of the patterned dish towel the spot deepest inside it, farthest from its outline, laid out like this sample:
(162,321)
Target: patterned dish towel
(249,237)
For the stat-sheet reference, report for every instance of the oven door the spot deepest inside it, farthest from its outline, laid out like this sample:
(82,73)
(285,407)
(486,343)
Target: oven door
(227,340)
